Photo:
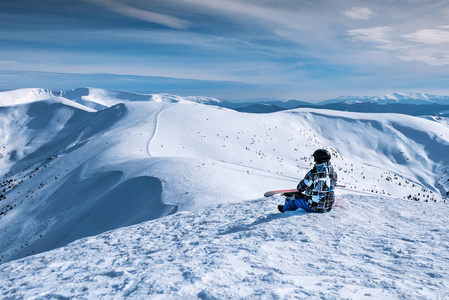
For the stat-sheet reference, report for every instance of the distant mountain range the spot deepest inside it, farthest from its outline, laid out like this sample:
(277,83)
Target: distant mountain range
(398,98)
(415,104)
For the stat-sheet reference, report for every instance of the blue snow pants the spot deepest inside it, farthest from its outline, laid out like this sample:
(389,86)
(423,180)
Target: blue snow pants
(297,203)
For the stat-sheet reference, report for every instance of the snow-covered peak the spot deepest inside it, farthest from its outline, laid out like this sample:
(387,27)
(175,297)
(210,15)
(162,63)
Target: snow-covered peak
(168,98)
(101,98)
(22,96)
(25,96)
(409,97)
(91,97)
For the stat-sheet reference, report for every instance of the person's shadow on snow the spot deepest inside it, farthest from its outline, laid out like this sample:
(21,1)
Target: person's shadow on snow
(262,220)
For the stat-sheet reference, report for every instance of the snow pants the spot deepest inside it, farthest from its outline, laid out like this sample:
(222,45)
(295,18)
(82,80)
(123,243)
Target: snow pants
(297,203)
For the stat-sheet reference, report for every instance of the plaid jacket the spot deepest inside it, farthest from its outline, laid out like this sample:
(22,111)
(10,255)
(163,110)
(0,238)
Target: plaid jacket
(318,187)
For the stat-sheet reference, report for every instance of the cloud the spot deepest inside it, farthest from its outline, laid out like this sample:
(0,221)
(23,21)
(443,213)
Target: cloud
(257,41)
(359,13)
(426,46)
(141,14)
(377,35)
(7,62)
(427,55)
(236,9)
(429,36)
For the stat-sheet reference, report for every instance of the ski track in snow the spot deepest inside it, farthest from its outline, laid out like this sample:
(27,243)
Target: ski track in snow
(366,248)
(156,122)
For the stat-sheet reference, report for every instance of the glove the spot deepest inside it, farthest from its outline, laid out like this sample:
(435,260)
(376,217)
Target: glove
(294,196)
(290,196)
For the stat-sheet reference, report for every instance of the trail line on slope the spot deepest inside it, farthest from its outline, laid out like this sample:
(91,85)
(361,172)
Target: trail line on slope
(156,123)
(261,170)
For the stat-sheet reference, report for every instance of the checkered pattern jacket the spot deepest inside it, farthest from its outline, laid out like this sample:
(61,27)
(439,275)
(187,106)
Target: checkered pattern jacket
(318,187)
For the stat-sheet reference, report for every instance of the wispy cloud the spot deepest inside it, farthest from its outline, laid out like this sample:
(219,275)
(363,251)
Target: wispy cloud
(430,36)
(428,46)
(236,9)
(145,15)
(359,13)
(376,35)
(426,55)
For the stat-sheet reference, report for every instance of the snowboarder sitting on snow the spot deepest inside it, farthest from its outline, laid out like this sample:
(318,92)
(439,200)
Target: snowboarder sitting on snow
(316,190)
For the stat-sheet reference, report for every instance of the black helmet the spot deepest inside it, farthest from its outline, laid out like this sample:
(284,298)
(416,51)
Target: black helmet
(321,155)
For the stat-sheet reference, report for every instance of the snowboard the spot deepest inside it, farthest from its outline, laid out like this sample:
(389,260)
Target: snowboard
(271,193)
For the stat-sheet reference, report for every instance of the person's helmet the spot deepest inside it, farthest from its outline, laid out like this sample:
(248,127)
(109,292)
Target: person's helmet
(321,155)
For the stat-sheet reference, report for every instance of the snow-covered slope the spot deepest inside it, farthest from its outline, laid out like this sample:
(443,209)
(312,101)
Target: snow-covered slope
(404,98)
(368,247)
(72,173)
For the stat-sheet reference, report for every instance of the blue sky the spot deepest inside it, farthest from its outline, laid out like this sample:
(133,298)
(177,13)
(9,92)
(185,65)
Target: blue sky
(233,49)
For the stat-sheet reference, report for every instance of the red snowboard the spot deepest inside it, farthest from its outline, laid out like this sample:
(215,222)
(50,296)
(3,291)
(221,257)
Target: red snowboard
(271,193)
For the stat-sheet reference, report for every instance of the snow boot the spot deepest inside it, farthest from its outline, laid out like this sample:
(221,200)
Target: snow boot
(281,208)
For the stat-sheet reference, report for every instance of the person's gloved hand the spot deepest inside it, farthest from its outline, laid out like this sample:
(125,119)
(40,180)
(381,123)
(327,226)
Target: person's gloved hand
(294,195)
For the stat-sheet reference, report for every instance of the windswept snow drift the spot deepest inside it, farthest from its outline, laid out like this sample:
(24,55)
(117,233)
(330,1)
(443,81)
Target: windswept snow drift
(72,172)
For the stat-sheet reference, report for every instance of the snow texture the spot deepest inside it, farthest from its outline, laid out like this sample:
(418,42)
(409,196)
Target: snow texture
(110,194)
(366,248)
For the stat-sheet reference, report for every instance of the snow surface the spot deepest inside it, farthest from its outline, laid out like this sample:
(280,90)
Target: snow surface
(366,248)
(162,199)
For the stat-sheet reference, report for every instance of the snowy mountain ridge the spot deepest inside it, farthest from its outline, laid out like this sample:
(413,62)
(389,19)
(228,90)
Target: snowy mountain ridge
(97,99)
(94,98)
(188,179)
(404,98)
